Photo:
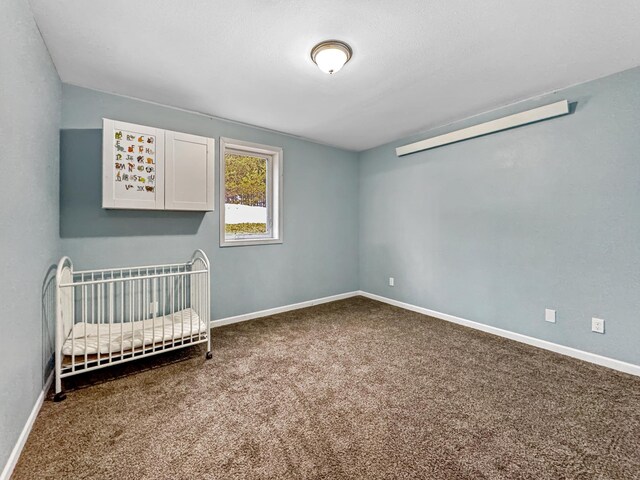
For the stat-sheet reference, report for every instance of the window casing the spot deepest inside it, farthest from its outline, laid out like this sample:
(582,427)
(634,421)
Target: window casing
(238,234)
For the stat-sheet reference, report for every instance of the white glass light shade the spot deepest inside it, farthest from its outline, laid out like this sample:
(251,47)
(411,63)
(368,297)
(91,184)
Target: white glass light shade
(331,56)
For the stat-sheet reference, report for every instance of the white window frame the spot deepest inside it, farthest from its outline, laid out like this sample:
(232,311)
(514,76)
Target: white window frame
(274,191)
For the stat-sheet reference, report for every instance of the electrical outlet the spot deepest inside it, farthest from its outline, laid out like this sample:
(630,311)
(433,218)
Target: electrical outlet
(597,325)
(392,282)
(153,307)
(550,315)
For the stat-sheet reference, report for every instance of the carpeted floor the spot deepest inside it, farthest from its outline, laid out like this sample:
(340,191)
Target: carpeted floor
(351,389)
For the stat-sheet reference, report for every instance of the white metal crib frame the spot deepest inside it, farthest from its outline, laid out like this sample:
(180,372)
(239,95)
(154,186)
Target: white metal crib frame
(114,300)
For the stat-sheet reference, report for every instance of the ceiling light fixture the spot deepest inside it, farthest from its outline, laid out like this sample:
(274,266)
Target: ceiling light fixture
(331,55)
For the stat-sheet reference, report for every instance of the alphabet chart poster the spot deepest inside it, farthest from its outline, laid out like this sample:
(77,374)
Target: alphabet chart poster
(134,164)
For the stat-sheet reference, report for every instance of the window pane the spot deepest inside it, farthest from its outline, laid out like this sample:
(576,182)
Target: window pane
(245,186)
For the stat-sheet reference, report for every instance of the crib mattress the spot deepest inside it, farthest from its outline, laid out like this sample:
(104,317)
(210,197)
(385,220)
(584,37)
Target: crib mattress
(83,338)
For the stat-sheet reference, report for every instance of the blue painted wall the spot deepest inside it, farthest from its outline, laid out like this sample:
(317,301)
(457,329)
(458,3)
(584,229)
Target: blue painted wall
(30,95)
(498,228)
(318,257)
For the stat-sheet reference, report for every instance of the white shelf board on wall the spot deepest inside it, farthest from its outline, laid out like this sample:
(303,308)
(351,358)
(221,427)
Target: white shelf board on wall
(516,120)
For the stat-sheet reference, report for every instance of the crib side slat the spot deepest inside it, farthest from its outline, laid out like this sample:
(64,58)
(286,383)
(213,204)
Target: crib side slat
(132,318)
(111,299)
(164,309)
(122,317)
(173,313)
(85,319)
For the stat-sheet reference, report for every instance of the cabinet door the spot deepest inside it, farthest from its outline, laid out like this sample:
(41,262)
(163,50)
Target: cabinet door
(189,173)
(132,166)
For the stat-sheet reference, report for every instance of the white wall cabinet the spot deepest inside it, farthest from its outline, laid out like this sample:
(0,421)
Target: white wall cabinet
(155,169)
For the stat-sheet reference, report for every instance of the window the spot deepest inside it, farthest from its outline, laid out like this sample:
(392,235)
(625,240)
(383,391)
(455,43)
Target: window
(251,193)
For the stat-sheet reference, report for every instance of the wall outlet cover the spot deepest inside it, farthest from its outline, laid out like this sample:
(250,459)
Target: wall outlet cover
(597,325)
(550,315)
(392,281)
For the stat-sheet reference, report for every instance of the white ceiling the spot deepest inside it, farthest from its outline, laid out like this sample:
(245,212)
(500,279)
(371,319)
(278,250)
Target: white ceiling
(417,63)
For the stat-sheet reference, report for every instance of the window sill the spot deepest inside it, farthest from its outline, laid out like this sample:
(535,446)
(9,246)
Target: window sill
(250,242)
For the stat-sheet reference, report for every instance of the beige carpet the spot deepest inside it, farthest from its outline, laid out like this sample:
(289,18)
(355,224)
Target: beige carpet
(351,389)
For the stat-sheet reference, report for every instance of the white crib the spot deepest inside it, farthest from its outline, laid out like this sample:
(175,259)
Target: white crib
(115,315)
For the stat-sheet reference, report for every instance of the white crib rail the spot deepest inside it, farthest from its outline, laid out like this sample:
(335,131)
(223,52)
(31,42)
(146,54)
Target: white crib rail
(144,310)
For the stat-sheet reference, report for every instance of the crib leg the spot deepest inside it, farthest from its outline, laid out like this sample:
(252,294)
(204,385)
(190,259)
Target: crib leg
(209,355)
(60,395)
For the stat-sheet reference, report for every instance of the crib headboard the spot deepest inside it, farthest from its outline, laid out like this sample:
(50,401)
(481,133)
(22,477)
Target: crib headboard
(64,306)
(199,292)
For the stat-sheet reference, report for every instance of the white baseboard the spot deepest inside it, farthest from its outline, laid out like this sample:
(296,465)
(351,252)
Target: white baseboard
(286,308)
(536,342)
(22,439)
